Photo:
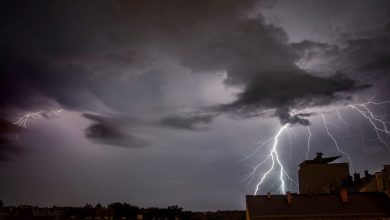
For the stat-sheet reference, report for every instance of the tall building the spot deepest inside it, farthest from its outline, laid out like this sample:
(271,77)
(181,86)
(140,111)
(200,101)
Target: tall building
(319,176)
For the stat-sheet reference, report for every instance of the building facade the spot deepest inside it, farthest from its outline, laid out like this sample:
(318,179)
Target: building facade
(319,176)
(327,191)
(321,206)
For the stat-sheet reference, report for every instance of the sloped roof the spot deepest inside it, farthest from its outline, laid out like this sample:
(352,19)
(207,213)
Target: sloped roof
(320,160)
(359,204)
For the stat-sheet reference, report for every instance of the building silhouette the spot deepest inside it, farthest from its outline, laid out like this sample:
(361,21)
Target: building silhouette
(319,176)
(377,182)
(327,191)
(320,206)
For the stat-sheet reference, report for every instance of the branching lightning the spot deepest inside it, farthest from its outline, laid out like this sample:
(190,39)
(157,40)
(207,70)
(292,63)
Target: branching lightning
(274,157)
(380,125)
(335,142)
(378,122)
(340,117)
(261,145)
(29,118)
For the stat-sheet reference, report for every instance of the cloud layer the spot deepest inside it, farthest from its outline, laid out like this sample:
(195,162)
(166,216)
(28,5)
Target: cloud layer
(113,131)
(127,57)
(9,140)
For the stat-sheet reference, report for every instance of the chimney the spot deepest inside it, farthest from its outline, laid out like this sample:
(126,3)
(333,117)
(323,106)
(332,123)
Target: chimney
(379,181)
(366,174)
(289,197)
(349,180)
(319,156)
(268,195)
(356,178)
(343,195)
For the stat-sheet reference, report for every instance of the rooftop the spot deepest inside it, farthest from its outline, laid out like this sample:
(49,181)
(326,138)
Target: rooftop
(320,160)
(359,204)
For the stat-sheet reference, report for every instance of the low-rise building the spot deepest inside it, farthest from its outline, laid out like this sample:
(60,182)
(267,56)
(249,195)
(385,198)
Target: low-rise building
(327,191)
(320,206)
(319,176)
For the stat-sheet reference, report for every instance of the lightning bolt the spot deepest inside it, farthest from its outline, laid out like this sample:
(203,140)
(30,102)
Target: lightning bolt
(379,123)
(335,142)
(274,157)
(29,118)
(353,136)
(261,145)
(308,142)
(340,117)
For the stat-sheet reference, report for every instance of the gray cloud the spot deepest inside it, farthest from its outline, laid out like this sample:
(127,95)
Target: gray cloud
(364,58)
(86,61)
(8,140)
(286,117)
(112,131)
(368,55)
(283,91)
(80,57)
(190,122)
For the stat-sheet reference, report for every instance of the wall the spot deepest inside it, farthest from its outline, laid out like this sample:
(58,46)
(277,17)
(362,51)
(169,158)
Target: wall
(322,178)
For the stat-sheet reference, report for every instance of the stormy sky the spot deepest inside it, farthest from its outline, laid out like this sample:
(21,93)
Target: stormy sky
(156,102)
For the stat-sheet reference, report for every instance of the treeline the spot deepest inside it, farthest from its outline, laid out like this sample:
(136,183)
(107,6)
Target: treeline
(112,211)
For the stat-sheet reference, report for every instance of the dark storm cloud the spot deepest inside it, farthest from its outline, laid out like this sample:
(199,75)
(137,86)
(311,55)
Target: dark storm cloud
(112,131)
(191,122)
(71,51)
(366,53)
(286,117)
(7,127)
(258,57)
(370,56)
(284,91)
(8,139)
(32,83)
(310,49)
(80,54)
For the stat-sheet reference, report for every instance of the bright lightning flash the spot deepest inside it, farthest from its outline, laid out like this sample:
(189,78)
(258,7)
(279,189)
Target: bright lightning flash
(335,142)
(378,122)
(29,118)
(380,125)
(274,156)
(308,143)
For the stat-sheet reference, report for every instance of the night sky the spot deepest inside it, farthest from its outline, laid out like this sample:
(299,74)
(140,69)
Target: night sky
(157,102)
